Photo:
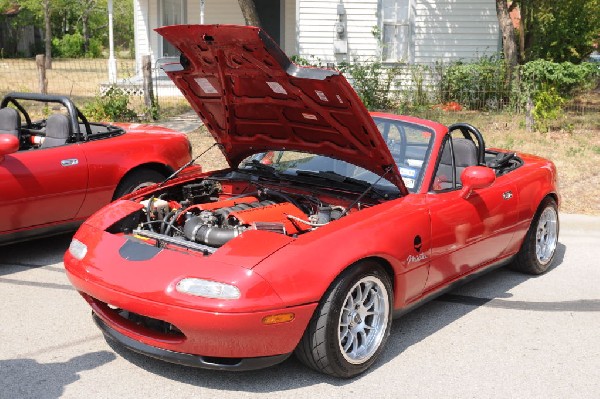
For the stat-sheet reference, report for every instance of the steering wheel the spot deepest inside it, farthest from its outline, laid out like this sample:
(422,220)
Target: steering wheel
(501,160)
(468,132)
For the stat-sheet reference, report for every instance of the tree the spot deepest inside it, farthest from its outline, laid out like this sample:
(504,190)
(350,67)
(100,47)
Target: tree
(564,30)
(558,31)
(249,12)
(509,42)
(47,34)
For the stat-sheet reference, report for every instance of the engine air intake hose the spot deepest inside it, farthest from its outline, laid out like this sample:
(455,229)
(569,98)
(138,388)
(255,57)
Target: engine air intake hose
(196,230)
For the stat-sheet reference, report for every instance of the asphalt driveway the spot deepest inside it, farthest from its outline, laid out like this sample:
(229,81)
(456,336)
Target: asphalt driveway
(503,335)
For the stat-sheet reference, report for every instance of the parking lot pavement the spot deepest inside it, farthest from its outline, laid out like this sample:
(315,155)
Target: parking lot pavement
(503,335)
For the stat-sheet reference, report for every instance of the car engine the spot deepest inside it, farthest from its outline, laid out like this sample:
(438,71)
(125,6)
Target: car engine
(206,215)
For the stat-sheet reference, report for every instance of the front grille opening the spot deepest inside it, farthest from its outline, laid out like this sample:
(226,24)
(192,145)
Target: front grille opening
(162,327)
(149,323)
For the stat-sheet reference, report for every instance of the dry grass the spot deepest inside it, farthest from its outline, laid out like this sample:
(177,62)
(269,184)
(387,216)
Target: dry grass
(576,151)
(76,77)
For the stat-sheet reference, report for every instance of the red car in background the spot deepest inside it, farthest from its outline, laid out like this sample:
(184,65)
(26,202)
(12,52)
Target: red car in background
(55,172)
(329,222)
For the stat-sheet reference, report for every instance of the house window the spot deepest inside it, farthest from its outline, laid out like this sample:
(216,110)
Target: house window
(172,12)
(396,30)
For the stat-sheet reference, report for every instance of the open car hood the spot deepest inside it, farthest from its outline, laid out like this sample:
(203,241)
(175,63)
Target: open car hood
(252,98)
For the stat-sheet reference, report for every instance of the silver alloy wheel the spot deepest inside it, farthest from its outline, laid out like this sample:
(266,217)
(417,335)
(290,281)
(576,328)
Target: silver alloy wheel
(363,320)
(546,235)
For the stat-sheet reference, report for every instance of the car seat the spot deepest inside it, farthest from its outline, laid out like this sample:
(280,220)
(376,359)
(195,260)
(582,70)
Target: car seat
(57,131)
(10,122)
(465,155)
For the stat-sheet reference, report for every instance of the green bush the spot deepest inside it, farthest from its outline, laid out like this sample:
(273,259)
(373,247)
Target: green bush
(480,85)
(112,106)
(372,82)
(547,108)
(72,46)
(567,78)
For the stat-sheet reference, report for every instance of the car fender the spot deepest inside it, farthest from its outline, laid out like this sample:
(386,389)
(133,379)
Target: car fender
(535,180)
(110,160)
(386,233)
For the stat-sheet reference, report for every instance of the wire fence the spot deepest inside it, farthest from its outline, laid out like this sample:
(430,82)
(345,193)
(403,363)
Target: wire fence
(413,90)
(84,79)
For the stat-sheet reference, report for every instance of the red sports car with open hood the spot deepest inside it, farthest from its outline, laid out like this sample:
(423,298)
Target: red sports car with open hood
(330,221)
(57,171)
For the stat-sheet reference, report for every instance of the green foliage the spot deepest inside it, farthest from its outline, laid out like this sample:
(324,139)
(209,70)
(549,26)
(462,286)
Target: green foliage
(310,61)
(565,30)
(550,85)
(567,78)
(372,82)
(480,85)
(112,106)
(547,108)
(68,17)
(72,46)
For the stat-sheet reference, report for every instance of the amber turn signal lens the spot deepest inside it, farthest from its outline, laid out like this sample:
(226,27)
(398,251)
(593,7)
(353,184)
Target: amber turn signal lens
(278,318)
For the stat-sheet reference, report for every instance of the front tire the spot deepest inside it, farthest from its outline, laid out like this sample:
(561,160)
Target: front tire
(539,247)
(136,180)
(351,324)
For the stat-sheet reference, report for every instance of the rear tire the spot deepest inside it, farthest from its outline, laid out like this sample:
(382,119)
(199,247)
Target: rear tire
(351,324)
(539,247)
(136,180)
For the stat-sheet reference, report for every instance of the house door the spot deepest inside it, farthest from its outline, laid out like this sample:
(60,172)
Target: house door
(269,13)
(172,12)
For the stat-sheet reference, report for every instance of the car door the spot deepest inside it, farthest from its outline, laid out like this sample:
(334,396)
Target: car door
(469,232)
(42,186)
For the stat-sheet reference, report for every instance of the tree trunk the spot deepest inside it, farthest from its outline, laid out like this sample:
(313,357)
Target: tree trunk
(509,42)
(526,33)
(86,33)
(249,12)
(47,35)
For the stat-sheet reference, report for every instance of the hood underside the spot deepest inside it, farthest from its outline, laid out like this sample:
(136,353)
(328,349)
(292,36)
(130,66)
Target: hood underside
(252,98)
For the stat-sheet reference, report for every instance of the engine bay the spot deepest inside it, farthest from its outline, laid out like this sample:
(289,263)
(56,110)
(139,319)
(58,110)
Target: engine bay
(206,215)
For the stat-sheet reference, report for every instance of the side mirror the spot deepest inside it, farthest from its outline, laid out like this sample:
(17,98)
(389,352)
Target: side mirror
(475,178)
(8,144)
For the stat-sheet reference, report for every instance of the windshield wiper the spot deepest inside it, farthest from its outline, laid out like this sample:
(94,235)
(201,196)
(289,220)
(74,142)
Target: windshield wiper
(348,182)
(256,166)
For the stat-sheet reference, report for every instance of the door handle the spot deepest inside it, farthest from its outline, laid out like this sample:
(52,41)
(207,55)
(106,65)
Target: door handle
(69,162)
(507,195)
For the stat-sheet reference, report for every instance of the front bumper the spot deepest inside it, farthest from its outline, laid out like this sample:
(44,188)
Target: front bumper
(186,359)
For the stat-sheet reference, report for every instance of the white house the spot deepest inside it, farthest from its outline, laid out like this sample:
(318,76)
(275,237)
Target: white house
(407,31)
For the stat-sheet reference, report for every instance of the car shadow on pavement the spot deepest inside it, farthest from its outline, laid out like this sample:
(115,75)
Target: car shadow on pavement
(26,378)
(406,331)
(33,254)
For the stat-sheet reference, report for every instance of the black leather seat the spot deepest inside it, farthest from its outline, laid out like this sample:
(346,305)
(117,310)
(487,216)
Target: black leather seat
(465,155)
(10,122)
(57,131)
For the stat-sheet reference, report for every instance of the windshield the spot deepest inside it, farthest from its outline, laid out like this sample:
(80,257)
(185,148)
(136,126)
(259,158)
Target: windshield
(408,143)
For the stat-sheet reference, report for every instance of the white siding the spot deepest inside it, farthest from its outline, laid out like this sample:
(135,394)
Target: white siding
(140,31)
(443,30)
(452,30)
(221,12)
(316,29)
(147,18)
(289,25)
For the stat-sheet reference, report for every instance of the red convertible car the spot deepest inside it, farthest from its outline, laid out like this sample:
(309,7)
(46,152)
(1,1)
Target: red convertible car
(329,223)
(56,172)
